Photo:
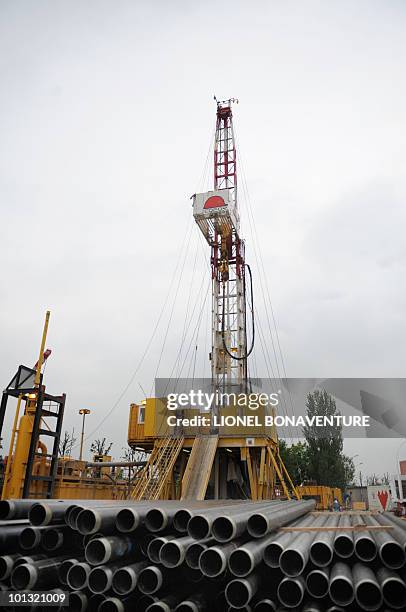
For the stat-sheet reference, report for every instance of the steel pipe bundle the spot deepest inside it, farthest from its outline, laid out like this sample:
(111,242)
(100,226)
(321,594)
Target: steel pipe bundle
(195,550)
(78,601)
(152,578)
(295,556)
(155,545)
(18,508)
(368,593)
(322,547)
(45,513)
(125,578)
(239,517)
(275,547)
(341,584)
(194,603)
(237,555)
(173,552)
(291,591)
(104,550)
(390,551)
(271,518)
(364,542)
(6,565)
(244,559)
(213,561)
(77,575)
(393,588)
(265,605)
(318,582)
(64,568)
(344,541)
(56,538)
(240,592)
(32,576)
(10,537)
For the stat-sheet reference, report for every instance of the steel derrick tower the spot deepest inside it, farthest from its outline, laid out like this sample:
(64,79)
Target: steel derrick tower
(216,213)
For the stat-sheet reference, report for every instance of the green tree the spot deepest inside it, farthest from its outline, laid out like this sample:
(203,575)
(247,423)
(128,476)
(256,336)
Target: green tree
(349,470)
(327,463)
(295,458)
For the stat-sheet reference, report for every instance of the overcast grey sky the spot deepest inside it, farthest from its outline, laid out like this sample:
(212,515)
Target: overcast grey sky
(106,116)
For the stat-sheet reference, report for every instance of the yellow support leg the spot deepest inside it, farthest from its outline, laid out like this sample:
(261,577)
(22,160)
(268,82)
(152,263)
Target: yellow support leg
(270,479)
(41,350)
(261,474)
(276,466)
(251,476)
(289,478)
(10,452)
(255,473)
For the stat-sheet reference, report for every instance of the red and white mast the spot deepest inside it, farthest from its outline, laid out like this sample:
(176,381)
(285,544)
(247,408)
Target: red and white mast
(216,213)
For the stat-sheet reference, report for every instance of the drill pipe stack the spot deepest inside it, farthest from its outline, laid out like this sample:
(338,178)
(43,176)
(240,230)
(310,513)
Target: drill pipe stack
(162,556)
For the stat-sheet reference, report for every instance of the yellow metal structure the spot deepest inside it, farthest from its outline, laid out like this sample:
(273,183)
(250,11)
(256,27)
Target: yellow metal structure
(148,421)
(73,480)
(198,467)
(11,450)
(18,456)
(359,506)
(17,460)
(41,351)
(76,481)
(324,496)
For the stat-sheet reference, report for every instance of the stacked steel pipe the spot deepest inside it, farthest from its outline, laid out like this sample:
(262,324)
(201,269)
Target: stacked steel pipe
(214,555)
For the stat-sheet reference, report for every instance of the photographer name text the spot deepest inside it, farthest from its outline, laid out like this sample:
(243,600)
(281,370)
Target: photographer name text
(251,420)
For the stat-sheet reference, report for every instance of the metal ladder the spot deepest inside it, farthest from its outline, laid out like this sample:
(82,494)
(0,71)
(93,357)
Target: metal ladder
(47,406)
(155,474)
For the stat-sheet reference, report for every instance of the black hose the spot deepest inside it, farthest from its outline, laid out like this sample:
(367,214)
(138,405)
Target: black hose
(247,354)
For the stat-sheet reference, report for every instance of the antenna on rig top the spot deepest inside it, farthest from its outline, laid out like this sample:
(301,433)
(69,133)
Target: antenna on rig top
(229,101)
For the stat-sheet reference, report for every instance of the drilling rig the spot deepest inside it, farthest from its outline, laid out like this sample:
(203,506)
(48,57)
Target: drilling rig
(215,461)
(201,462)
